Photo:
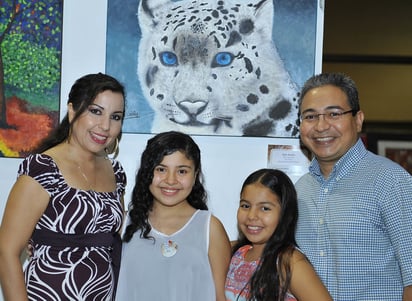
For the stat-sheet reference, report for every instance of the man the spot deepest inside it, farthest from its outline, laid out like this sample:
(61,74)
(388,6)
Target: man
(355,208)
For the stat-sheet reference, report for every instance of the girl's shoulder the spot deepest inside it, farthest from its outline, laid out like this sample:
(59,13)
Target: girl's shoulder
(241,252)
(297,255)
(216,228)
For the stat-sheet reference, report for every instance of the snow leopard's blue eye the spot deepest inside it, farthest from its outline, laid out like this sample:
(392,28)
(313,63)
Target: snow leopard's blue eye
(222,59)
(168,58)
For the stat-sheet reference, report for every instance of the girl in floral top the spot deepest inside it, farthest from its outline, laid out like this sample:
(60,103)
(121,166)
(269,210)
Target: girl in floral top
(266,265)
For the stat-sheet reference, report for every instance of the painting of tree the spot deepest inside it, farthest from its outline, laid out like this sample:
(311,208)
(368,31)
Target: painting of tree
(30,63)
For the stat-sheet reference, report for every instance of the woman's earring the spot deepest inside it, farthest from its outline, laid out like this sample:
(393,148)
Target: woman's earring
(113,149)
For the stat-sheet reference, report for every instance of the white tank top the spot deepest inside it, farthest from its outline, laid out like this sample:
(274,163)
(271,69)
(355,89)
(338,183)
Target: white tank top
(173,267)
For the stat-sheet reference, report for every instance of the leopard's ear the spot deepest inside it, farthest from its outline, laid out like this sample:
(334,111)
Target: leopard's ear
(257,19)
(264,15)
(150,11)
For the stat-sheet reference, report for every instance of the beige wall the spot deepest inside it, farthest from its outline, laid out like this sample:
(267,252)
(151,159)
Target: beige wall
(373,28)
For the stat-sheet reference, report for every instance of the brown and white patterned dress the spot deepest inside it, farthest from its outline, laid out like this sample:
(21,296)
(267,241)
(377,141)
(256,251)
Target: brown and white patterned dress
(72,257)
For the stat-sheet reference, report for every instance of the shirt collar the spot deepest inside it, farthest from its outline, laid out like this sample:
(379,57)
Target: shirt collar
(344,164)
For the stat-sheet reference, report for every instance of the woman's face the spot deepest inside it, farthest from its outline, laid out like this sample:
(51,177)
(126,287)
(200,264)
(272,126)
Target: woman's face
(100,124)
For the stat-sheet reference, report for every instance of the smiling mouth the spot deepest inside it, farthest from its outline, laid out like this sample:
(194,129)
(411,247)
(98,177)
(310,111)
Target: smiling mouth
(169,191)
(98,138)
(324,139)
(254,228)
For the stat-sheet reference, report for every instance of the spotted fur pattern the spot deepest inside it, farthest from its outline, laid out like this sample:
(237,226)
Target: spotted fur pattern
(210,67)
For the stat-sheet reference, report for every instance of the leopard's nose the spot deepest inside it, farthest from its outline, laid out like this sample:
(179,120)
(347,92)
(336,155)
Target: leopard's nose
(193,107)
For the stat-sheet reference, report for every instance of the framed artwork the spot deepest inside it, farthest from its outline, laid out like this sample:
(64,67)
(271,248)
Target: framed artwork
(398,151)
(212,67)
(393,140)
(30,41)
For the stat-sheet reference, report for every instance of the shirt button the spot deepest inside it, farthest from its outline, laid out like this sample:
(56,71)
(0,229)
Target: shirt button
(325,190)
(321,253)
(321,221)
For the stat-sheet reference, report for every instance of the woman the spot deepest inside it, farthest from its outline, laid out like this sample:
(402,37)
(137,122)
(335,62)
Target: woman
(67,201)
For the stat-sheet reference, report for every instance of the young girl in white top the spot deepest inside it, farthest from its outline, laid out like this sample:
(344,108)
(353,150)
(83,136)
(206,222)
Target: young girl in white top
(173,249)
(266,264)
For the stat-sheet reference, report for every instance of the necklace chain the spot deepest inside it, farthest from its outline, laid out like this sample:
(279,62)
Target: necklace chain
(91,187)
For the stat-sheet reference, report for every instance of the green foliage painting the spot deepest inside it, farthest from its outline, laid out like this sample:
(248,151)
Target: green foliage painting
(30,61)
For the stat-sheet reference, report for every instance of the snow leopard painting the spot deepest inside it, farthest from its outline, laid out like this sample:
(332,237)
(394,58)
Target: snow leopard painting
(210,67)
(221,67)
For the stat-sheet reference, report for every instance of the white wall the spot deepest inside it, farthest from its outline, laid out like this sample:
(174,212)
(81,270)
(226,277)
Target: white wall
(226,160)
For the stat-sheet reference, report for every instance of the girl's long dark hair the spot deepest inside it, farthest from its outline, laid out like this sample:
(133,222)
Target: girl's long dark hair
(157,147)
(271,280)
(82,94)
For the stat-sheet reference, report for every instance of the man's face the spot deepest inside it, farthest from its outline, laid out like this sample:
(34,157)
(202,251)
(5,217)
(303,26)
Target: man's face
(328,138)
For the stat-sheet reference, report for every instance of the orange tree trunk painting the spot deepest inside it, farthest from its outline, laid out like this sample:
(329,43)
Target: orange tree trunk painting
(30,55)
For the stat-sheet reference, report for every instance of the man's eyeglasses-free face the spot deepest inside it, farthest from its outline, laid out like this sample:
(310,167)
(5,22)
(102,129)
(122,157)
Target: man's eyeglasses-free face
(309,117)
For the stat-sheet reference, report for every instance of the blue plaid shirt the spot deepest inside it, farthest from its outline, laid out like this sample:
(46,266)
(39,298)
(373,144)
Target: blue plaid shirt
(356,226)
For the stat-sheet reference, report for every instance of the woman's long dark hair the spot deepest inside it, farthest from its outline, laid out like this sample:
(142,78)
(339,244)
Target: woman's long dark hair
(271,280)
(82,94)
(157,147)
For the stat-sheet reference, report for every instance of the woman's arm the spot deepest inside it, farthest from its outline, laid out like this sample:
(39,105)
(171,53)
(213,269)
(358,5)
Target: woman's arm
(25,205)
(305,284)
(219,256)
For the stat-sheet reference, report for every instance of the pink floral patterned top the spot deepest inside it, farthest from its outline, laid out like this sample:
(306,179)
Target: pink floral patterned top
(240,271)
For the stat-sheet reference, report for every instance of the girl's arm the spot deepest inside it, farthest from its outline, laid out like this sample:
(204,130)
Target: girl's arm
(407,293)
(26,202)
(305,284)
(219,256)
